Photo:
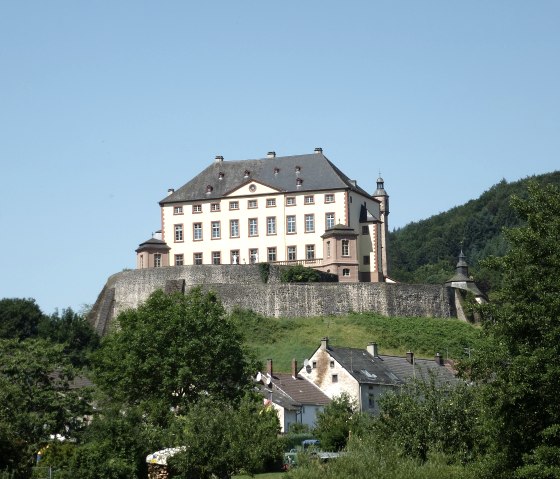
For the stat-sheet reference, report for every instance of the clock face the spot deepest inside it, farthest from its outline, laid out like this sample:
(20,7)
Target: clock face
(252,188)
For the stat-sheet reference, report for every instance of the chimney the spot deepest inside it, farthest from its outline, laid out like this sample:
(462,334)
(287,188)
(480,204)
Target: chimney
(170,191)
(271,154)
(294,368)
(372,349)
(218,159)
(410,357)
(325,344)
(439,359)
(269,367)
(319,151)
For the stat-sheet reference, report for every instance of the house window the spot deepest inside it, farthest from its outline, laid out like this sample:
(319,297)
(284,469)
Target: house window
(345,272)
(328,249)
(271,225)
(197,208)
(253,256)
(234,228)
(314,364)
(290,201)
(329,221)
(197,258)
(178,210)
(309,200)
(234,205)
(332,364)
(179,260)
(271,254)
(345,248)
(292,253)
(178,233)
(216,257)
(310,251)
(365,230)
(215,230)
(197,231)
(309,223)
(252,204)
(290,224)
(366,259)
(215,207)
(157,260)
(329,198)
(271,202)
(335,378)
(371,401)
(234,256)
(253,227)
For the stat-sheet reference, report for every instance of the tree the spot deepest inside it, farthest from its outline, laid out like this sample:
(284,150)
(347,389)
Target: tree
(522,370)
(19,318)
(36,401)
(171,351)
(334,423)
(222,439)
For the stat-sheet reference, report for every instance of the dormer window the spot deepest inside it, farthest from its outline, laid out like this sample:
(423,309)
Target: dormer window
(298,169)
(299,182)
(209,189)
(220,176)
(276,171)
(246,174)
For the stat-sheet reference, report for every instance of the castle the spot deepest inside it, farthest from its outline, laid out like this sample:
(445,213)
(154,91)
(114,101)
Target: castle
(281,210)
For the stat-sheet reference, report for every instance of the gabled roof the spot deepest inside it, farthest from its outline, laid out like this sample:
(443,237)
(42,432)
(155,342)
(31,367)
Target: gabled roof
(316,172)
(365,368)
(292,393)
(422,370)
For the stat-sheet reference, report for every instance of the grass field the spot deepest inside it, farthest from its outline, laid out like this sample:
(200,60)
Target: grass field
(283,339)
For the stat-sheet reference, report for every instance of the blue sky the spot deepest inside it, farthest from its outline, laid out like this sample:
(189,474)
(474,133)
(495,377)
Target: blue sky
(105,105)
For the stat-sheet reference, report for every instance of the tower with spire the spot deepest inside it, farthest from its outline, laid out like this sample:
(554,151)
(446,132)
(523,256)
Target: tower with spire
(382,196)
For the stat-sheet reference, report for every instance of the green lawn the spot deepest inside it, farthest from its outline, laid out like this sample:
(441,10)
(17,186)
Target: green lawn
(267,475)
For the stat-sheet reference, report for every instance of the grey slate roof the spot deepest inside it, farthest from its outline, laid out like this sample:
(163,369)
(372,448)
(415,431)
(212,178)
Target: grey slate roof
(365,368)
(153,243)
(292,393)
(422,370)
(316,173)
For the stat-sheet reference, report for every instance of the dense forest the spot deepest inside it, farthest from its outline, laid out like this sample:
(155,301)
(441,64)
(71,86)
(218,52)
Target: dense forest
(426,251)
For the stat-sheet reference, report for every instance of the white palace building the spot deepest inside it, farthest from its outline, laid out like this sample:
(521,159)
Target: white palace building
(284,210)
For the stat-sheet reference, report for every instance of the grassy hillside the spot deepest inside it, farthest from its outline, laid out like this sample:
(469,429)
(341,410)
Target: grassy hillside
(426,251)
(283,339)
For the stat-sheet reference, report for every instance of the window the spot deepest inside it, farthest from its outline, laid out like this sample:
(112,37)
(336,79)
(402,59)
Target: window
(314,364)
(309,223)
(290,201)
(332,364)
(309,200)
(178,210)
(271,202)
(157,260)
(214,206)
(197,231)
(197,208)
(271,225)
(253,227)
(310,251)
(271,256)
(290,224)
(197,258)
(335,378)
(328,249)
(252,204)
(234,255)
(234,228)
(371,401)
(345,247)
(234,205)
(215,230)
(345,272)
(178,233)
(365,230)
(179,260)
(329,198)
(329,221)
(253,256)
(292,253)
(216,257)
(366,259)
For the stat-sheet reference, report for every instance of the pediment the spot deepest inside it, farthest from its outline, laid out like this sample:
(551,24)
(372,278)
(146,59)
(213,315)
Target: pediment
(250,188)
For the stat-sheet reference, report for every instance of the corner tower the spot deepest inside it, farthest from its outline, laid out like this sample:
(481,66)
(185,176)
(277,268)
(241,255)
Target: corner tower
(382,196)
